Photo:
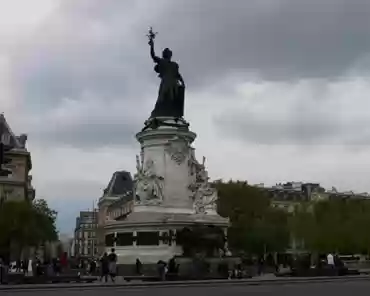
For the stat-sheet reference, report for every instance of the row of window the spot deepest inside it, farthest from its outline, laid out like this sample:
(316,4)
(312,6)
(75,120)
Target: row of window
(85,234)
(148,238)
(10,194)
(88,225)
(85,242)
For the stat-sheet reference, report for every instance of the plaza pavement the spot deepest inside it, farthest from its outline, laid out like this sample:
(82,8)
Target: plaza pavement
(337,288)
(265,280)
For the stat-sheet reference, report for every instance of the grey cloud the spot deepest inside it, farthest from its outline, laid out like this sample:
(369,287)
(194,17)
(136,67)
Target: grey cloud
(89,135)
(86,46)
(101,48)
(278,40)
(277,131)
(318,115)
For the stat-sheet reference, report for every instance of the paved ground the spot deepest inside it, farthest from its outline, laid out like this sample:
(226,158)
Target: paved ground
(358,288)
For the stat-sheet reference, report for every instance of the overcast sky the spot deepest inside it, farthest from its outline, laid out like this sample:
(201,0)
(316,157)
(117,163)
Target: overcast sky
(277,90)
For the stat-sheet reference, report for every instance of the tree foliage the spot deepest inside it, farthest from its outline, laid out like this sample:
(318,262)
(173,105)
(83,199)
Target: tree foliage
(334,226)
(47,218)
(26,224)
(256,227)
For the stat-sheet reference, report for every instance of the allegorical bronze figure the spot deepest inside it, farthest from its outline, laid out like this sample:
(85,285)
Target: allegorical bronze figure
(170,101)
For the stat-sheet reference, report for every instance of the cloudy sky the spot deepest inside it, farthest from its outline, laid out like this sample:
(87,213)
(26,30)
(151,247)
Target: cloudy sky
(278,90)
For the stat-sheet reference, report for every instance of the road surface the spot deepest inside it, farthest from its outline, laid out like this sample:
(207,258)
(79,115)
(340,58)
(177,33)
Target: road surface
(358,288)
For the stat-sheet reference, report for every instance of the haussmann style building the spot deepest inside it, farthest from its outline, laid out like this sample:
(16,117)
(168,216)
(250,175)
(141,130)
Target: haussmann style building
(17,185)
(85,235)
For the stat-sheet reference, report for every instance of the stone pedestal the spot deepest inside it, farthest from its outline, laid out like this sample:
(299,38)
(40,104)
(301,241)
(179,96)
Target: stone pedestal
(171,192)
(166,153)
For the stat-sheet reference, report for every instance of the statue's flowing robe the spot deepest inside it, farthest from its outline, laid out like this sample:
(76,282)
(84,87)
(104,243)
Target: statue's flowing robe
(170,102)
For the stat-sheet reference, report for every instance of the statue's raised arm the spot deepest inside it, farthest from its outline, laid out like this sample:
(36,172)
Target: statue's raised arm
(151,35)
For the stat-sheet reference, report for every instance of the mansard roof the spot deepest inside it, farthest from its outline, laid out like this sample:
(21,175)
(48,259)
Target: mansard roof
(9,138)
(17,142)
(120,183)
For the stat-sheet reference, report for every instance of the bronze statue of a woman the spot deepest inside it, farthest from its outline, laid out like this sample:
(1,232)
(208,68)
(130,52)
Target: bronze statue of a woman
(170,102)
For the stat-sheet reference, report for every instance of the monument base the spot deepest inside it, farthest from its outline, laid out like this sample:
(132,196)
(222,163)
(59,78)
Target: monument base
(153,234)
(172,192)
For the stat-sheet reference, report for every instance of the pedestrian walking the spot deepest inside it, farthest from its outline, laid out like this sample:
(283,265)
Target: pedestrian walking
(260,265)
(330,260)
(104,264)
(112,257)
(92,267)
(139,267)
(162,269)
(25,266)
(38,267)
(18,265)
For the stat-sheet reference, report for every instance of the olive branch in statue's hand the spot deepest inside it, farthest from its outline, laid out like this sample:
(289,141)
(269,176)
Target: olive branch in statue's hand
(151,35)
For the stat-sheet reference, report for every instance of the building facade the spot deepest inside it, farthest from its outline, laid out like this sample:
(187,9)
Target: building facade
(115,203)
(85,235)
(288,195)
(66,242)
(17,185)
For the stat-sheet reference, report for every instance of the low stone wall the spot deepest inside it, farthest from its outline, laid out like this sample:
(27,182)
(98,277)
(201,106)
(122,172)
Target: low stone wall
(358,265)
(188,266)
(130,269)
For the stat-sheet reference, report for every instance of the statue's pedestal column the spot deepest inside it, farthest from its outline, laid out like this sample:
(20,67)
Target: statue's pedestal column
(168,149)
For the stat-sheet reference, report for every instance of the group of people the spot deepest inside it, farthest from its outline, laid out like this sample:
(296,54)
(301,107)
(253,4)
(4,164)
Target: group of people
(35,266)
(53,267)
(22,266)
(48,267)
(108,264)
(162,267)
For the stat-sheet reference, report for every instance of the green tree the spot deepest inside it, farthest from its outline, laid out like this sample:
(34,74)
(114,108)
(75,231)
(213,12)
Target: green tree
(273,230)
(25,224)
(358,225)
(46,221)
(333,226)
(16,224)
(256,227)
